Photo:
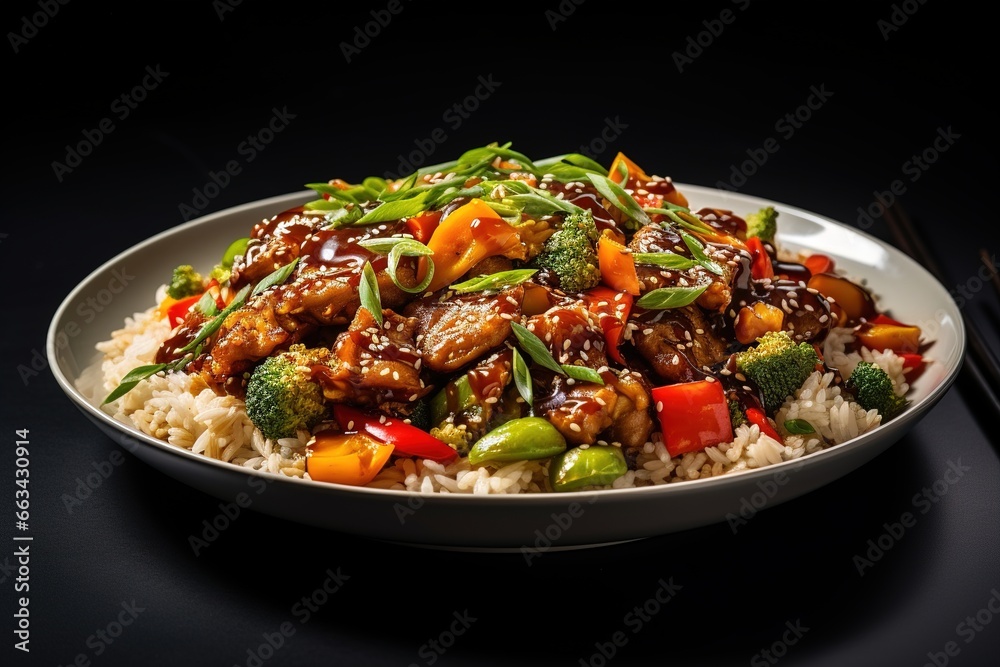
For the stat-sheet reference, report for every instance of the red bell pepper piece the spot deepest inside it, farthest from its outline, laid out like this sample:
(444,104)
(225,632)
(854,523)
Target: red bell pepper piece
(757,417)
(215,289)
(760,262)
(693,415)
(408,439)
(819,263)
(612,309)
(178,310)
(882,318)
(913,364)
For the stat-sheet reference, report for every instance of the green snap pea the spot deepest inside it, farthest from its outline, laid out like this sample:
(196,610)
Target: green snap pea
(518,439)
(237,247)
(595,465)
(456,396)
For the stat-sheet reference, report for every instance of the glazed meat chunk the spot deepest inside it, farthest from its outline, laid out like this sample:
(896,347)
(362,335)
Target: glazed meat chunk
(455,331)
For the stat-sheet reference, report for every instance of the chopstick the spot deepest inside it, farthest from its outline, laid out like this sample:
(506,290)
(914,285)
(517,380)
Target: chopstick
(984,255)
(980,361)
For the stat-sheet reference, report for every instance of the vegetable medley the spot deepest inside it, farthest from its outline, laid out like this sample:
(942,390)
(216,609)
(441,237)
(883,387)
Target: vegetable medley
(501,309)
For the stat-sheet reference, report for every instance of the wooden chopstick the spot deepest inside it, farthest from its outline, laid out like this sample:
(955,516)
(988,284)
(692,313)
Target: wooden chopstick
(980,360)
(988,263)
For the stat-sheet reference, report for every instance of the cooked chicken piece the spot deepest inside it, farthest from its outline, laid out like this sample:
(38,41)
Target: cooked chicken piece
(455,331)
(581,411)
(678,343)
(807,313)
(631,420)
(375,364)
(572,333)
(250,333)
(585,412)
(322,290)
(657,239)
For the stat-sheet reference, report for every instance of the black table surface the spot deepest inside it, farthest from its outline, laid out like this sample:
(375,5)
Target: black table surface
(121,121)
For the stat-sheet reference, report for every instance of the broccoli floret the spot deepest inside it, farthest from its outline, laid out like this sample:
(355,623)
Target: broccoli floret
(281,397)
(184,282)
(873,388)
(778,366)
(420,416)
(220,273)
(569,253)
(459,438)
(736,416)
(763,223)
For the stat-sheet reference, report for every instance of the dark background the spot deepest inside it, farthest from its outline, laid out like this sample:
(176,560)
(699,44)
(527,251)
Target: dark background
(891,90)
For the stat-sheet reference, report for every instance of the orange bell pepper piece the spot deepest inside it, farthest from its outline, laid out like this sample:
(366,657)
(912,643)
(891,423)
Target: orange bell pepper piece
(346,458)
(471,233)
(617,266)
(640,178)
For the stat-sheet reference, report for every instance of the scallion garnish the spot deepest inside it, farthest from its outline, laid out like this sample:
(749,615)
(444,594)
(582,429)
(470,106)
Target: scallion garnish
(394,210)
(670,297)
(539,352)
(535,348)
(396,248)
(666,260)
(697,249)
(494,281)
(799,427)
(615,194)
(582,373)
(522,378)
(369,294)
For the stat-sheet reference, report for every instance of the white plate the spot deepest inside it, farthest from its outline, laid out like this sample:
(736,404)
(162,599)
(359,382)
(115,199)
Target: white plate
(506,522)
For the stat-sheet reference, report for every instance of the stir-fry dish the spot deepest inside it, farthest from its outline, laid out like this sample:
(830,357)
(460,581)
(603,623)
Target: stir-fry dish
(502,325)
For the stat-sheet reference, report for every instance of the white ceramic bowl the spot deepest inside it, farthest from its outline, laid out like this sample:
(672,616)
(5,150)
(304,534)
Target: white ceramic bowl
(503,522)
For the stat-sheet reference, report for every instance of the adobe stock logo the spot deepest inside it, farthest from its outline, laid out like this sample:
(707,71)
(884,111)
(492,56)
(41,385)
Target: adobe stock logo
(30,25)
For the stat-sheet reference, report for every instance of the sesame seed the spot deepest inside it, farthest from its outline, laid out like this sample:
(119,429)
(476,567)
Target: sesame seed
(575,427)
(659,406)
